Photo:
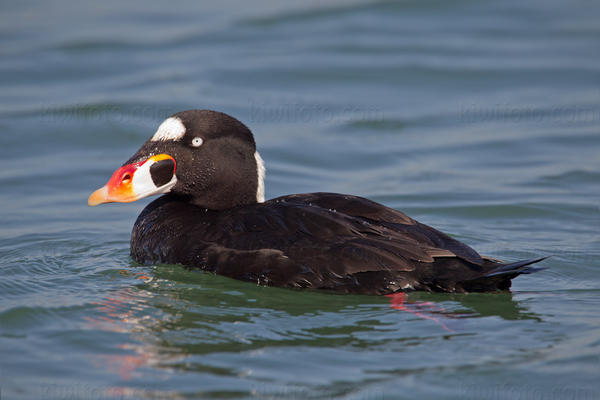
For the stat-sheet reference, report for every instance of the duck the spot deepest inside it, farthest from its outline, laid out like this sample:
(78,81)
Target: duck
(213,216)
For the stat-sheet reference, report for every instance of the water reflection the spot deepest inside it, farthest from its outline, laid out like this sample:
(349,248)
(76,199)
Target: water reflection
(123,313)
(187,321)
(478,305)
(421,309)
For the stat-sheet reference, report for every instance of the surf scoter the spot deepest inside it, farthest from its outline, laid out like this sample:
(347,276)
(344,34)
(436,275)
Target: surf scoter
(213,216)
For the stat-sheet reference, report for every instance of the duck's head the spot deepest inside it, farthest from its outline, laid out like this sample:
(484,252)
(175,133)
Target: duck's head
(205,157)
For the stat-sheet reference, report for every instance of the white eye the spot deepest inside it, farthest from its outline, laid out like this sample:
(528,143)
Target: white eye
(197,142)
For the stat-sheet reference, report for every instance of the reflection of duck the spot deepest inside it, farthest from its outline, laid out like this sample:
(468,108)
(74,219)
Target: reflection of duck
(187,322)
(476,305)
(213,216)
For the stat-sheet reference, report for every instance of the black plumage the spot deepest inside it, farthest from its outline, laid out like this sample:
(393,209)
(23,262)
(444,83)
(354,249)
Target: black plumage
(317,240)
(211,220)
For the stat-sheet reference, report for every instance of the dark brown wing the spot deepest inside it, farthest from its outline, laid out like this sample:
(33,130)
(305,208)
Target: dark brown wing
(432,242)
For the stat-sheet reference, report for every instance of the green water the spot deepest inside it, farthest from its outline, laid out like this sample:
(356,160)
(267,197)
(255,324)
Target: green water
(480,118)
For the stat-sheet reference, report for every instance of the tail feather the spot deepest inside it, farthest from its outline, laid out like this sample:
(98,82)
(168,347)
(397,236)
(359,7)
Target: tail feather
(500,277)
(519,267)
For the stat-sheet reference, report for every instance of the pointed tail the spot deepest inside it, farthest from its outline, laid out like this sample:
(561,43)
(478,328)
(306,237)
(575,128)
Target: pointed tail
(519,267)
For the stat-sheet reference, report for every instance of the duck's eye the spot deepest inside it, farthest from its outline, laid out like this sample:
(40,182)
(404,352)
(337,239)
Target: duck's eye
(197,142)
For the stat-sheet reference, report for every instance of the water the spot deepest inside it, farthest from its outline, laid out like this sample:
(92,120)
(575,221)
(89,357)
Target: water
(479,118)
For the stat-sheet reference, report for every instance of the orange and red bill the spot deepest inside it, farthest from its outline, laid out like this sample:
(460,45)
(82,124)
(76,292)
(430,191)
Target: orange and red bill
(132,182)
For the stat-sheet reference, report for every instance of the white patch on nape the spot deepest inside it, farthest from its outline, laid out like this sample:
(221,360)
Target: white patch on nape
(260,172)
(171,129)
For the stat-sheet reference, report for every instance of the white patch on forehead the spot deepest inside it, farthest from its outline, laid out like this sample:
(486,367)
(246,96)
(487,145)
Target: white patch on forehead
(260,172)
(171,129)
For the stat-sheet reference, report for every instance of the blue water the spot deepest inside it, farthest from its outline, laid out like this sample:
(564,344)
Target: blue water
(480,118)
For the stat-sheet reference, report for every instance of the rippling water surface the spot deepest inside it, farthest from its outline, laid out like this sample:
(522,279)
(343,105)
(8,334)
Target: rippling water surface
(480,118)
